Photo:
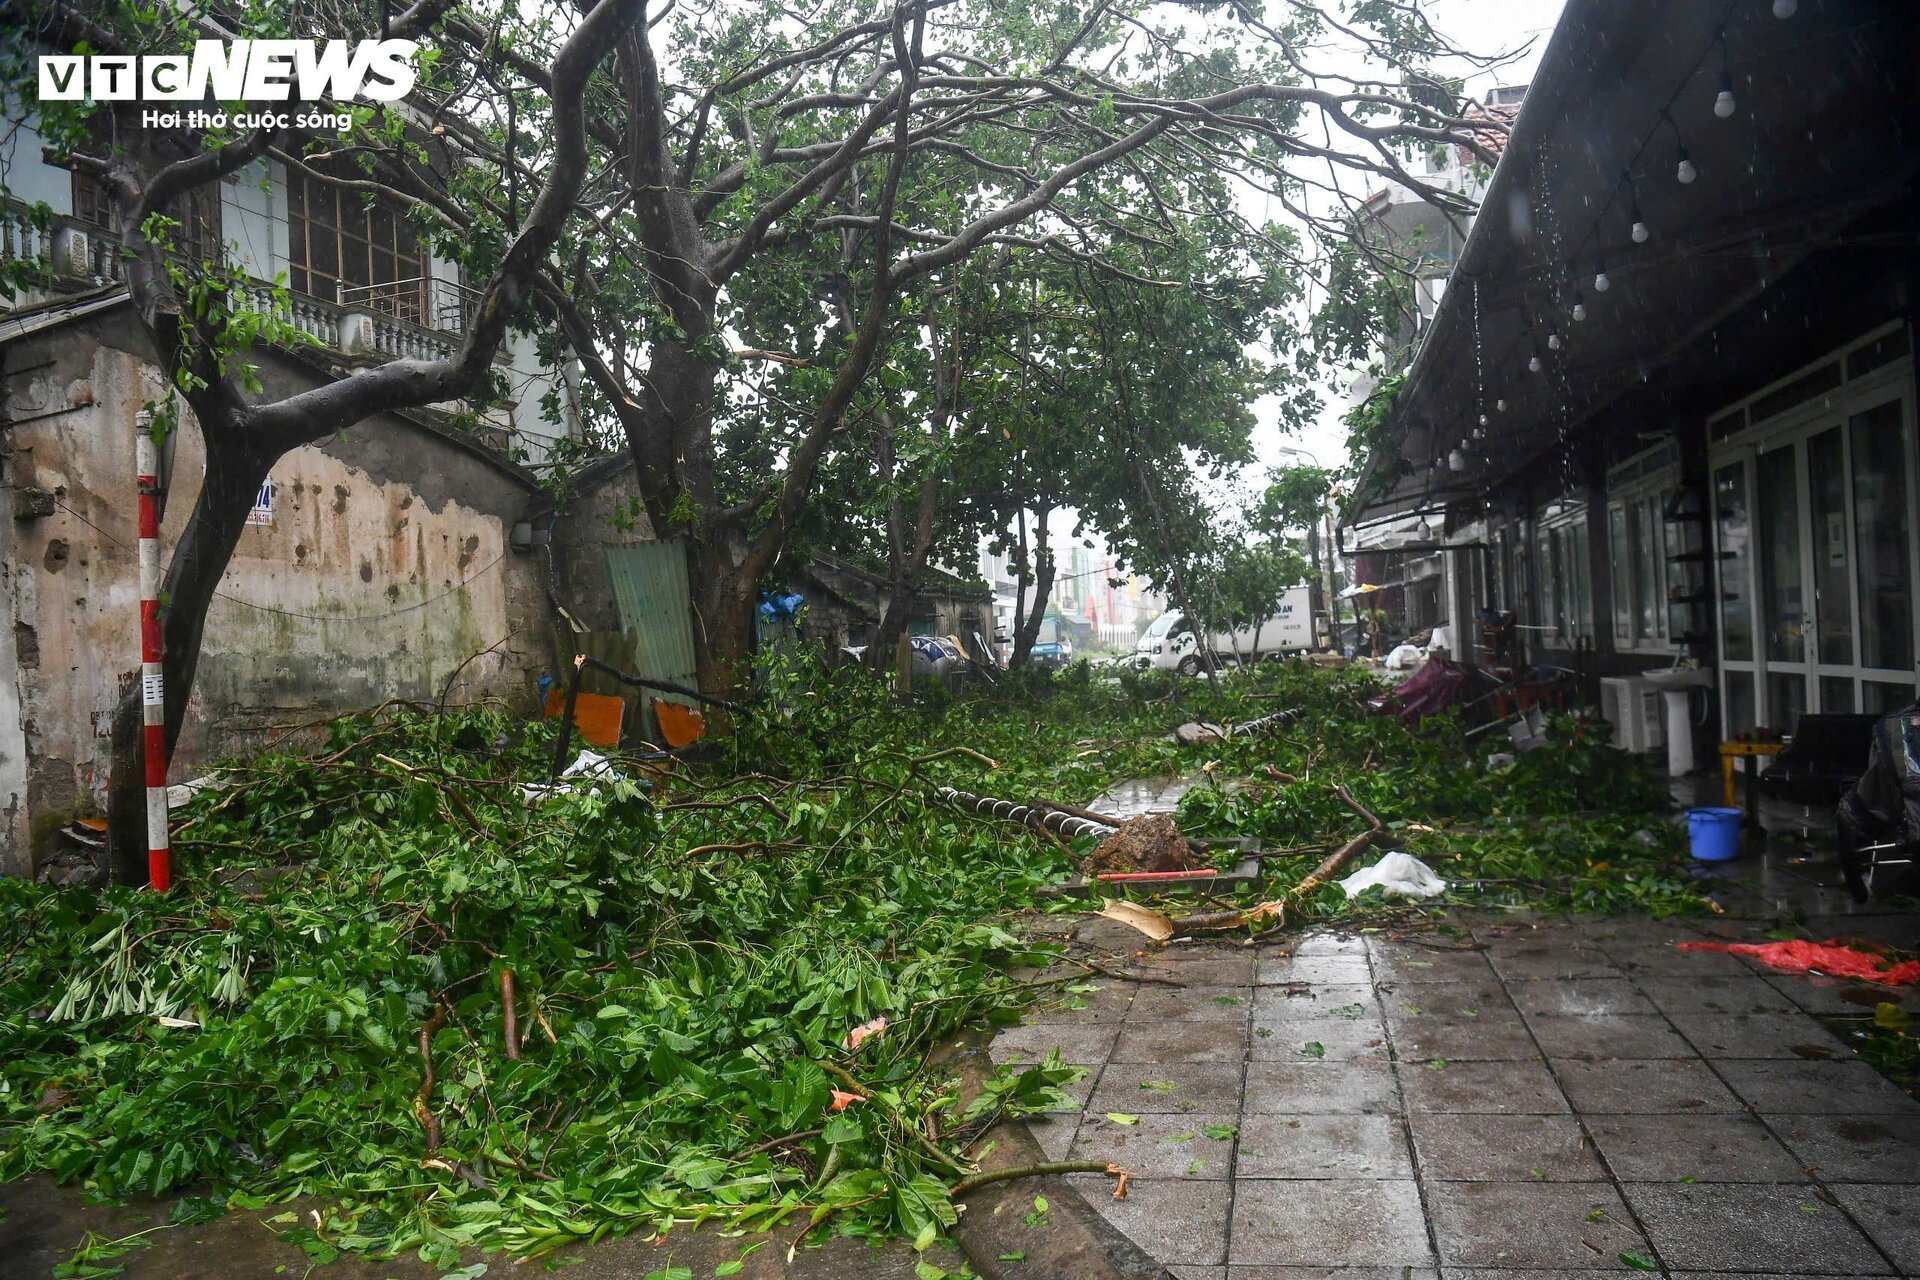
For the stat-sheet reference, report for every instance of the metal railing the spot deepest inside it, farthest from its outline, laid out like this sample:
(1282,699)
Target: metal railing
(372,321)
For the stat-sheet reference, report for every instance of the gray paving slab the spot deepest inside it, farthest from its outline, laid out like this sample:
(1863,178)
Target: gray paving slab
(1817,994)
(1305,1001)
(1181,1221)
(1184,1088)
(1313,969)
(1160,1146)
(1332,1273)
(1411,964)
(1321,1088)
(1884,1148)
(1890,1215)
(1576,1225)
(1409,1003)
(1085,1046)
(1503,1148)
(1227,966)
(1321,1146)
(1519,1087)
(1650,1086)
(1760,1035)
(1579,997)
(1170,1042)
(1705,1148)
(1797,1086)
(1536,959)
(1337,1040)
(1201,1003)
(1609,1036)
(1107,1002)
(1054,1133)
(1663,960)
(1480,1039)
(1340,1222)
(1752,1227)
(1331,942)
(1710,993)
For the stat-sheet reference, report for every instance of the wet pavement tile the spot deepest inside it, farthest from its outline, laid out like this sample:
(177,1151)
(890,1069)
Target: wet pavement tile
(1201,1003)
(1704,1148)
(1207,965)
(1321,1040)
(1822,995)
(1161,1146)
(1796,1086)
(1411,1003)
(1341,1222)
(1108,1002)
(1609,1036)
(1299,1002)
(1520,1087)
(1503,1148)
(1318,1147)
(1485,1039)
(1054,1133)
(1883,1148)
(1640,960)
(1579,997)
(1890,1215)
(1416,965)
(1149,1087)
(1329,943)
(1087,1046)
(1538,959)
(1182,1220)
(1319,970)
(1751,1227)
(1715,994)
(1760,1035)
(1652,1086)
(1531,1225)
(1170,1042)
(1321,1088)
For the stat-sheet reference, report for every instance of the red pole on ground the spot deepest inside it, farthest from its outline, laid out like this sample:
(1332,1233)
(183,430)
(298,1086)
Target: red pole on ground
(153,700)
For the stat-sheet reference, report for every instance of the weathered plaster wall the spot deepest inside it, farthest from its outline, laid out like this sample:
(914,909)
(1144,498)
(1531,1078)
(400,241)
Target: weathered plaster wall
(385,567)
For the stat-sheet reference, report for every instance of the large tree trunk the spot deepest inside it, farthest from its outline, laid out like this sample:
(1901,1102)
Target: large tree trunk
(723,604)
(1027,628)
(234,476)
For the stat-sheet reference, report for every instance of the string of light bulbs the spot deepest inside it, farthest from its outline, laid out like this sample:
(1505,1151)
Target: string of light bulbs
(1686,173)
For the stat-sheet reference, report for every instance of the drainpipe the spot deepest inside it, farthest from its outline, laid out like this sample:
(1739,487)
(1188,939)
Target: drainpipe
(153,701)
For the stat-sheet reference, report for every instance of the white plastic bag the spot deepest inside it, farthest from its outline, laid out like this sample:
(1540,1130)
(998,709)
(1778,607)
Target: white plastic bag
(1400,873)
(1404,658)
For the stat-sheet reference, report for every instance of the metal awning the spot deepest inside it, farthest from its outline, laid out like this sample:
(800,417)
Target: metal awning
(1823,135)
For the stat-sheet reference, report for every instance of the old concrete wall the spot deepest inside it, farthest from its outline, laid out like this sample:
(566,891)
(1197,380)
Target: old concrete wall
(601,510)
(384,567)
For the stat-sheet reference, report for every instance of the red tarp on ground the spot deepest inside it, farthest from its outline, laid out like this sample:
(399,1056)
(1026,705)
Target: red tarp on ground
(1835,959)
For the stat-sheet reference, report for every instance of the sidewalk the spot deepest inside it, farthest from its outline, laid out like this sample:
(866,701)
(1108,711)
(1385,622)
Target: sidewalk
(1518,1096)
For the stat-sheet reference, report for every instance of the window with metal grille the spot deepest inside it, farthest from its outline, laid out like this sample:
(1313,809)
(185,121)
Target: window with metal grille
(341,248)
(196,239)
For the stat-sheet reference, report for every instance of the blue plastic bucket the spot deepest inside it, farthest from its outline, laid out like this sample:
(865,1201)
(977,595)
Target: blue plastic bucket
(1715,834)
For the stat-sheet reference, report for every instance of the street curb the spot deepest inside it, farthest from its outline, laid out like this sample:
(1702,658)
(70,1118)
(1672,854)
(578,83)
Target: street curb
(1077,1243)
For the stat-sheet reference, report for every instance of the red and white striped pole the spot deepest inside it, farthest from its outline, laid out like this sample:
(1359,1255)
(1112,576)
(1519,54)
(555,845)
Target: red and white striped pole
(153,689)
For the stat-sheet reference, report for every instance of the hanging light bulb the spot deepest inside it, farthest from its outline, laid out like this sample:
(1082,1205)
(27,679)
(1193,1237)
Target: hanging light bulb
(1534,364)
(1601,280)
(1423,531)
(1480,432)
(1640,233)
(1785,8)
(1456,461)
(1501,404)
(1684,170)
(1483,419)
(1579,306)
(1723,104)
(1553,342)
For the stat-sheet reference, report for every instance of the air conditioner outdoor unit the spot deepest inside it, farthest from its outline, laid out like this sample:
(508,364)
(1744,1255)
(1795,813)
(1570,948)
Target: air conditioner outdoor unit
(1635,711)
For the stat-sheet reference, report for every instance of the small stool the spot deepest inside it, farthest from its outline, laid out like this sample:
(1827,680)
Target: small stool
(1731,751)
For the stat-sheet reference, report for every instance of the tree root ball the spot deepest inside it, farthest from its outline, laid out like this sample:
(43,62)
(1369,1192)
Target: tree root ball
(1151,843)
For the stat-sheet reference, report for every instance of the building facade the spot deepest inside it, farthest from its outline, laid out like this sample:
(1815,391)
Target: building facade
(1665,411)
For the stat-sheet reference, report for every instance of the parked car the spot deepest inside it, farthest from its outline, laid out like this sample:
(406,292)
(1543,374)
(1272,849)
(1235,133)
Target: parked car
(1052,655)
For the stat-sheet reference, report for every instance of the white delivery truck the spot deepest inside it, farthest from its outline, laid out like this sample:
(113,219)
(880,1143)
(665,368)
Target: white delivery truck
(1172,643)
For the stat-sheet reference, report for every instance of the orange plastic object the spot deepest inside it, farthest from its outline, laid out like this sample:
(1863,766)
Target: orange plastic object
(1834,959)
(596,715)
(679,725)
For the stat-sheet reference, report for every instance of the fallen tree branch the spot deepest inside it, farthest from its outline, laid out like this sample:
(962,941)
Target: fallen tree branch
(974,1182)
(423,1097)
(509,1016)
